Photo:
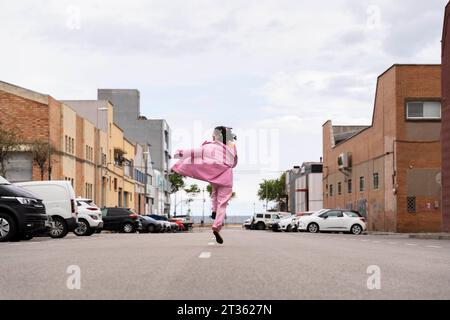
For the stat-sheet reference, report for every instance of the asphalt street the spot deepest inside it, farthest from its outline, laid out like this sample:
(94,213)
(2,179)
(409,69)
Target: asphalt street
(249,265)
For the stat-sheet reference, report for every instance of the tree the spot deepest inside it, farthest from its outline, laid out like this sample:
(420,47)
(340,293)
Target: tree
(176,182)
(9,142)
(209,189)
(42,152)
(273,190)
(192,191)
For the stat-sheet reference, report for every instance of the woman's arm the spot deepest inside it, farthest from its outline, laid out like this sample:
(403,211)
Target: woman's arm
(194,153)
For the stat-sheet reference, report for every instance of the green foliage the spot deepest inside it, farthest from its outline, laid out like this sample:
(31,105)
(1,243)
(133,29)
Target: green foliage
(176,181)
(209,189)
(273,189)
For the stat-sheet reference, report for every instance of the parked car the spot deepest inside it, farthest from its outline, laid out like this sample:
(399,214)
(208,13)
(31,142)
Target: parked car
(22,213)
(169,227)
(262,221)
(247,224)
(333,220)
(59,200)
(287,224)
(150,225)
(89,218)
(121,219)
(179,223)
(186,221)
(298,216)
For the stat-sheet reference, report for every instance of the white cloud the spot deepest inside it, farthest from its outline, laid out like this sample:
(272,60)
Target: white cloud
(256,64)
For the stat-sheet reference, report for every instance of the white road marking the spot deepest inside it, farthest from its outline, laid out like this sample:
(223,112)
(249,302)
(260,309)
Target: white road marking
(375,241)
(365,240)
(211,243)
(411,244)
(392,242)
(436,247)
(205,255)
(13,244)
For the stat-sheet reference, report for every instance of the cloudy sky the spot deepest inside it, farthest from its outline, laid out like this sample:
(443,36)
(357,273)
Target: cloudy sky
(275,70)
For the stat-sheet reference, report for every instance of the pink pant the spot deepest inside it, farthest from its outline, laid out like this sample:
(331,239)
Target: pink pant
(219,201)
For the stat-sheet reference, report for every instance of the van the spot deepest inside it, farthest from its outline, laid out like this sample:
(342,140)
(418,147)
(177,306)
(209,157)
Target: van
(22,213)
(59,201)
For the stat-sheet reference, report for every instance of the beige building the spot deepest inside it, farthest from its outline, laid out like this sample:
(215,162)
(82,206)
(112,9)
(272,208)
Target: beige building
(89,149)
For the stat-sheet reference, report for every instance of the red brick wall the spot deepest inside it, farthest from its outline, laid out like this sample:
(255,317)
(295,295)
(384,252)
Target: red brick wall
(445,134)
(373,151)
(30,118)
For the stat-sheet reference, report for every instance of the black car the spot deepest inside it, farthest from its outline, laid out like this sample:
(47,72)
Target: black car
(22,213)
(150,225)
(121,219)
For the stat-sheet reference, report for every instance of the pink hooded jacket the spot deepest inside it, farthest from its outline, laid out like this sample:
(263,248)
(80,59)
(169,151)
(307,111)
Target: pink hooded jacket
(213,162)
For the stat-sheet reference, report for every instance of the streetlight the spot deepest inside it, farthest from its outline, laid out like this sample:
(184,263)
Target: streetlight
(203,212)
(97,158)
(146,153)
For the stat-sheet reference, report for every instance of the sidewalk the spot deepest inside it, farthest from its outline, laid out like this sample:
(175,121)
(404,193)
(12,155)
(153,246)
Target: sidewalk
(434,236)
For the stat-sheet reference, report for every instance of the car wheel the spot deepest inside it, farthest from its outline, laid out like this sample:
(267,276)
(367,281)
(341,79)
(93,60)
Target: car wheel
(288,228)
(60,228)
(151,228)
(8,228)
(83,228)
(260,226)
(128,228)
(313,227)
(26,236)
(356,229)
(295,229)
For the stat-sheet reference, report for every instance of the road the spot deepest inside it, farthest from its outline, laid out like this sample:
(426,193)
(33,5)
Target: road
(250,265)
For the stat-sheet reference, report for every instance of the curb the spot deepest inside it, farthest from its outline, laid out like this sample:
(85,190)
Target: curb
(429,236)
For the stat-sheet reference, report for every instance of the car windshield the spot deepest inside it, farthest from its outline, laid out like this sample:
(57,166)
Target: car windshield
(319,212)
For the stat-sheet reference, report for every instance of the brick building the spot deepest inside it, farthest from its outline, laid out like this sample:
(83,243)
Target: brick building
(446,121)
(95,158)
(390,171)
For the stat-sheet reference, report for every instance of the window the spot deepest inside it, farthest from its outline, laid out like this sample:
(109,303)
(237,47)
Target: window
(267,216)
(332,214)
(352,214)
(349,186)
(411,204)
(258,215)
(339,188)
(376,180)
(66,148)
(331,190)
(361,183)
(423,110)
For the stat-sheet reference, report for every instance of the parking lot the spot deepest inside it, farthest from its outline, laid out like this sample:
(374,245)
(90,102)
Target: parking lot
(250,265)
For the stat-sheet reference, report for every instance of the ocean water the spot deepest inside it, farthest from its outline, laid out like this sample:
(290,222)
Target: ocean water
(229,219)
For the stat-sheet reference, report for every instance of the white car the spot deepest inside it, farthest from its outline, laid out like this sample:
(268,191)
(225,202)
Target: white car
(247,224)
(89,218)
(287,224)
(333,220)
(262,221)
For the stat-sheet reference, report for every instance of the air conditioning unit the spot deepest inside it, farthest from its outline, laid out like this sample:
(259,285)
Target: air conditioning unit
(344,161)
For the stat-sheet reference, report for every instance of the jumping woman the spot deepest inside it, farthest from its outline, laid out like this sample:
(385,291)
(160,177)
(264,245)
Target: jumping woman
(213,162)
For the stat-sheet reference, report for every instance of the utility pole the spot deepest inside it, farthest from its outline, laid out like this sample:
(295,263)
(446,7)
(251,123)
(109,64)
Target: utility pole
(203,212)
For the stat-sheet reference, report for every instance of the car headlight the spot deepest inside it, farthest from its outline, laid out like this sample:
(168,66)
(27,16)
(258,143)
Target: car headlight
(25,201)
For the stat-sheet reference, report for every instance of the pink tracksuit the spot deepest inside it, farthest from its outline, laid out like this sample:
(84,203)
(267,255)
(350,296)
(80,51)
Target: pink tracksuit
(213,162)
